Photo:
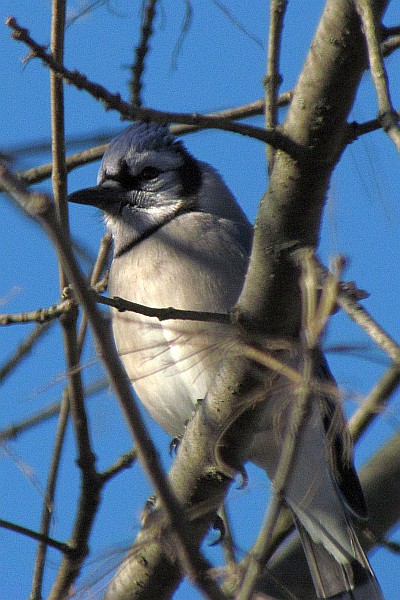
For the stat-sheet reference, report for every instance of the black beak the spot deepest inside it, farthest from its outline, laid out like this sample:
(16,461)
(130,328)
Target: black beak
(104,197)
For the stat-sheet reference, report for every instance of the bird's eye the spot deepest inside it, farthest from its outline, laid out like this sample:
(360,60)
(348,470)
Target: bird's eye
(149,173)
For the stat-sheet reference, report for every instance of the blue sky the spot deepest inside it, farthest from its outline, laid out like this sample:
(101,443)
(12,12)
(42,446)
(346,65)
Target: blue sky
(218,67)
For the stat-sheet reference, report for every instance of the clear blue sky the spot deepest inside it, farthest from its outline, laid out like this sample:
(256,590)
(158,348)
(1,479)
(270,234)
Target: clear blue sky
(218,67)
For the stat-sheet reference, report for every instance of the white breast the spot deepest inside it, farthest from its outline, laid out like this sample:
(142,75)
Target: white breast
(195,262)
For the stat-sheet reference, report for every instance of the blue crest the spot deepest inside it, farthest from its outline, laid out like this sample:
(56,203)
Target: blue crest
(139,137)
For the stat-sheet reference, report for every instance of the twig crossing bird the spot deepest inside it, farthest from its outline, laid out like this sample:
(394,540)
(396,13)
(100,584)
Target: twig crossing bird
(181,240)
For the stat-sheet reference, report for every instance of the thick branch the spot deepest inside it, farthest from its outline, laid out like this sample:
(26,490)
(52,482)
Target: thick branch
(290,213)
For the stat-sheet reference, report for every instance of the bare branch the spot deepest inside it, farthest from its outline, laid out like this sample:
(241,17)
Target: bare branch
(65,548)
(48,503)
(113,101)
(360,315)
(39,207)
(47,413)
(59,172)
(162,314)
(228,543)
(225,10)
(124,462)
(387,115)
(73,398)
(374,404)
(101,261)
(42,172)
(38,174)
(141,51)
(392,44)
(315,317)
(23,349)
(40,315)
(273,78)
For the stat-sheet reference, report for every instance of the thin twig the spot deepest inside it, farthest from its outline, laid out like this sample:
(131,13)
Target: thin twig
(101,260)
(387,115)
(92,482)
(162,314)
(39,207)
(124,462)
(228,543)
(389,545)
(48,503)
(360,315)
(316,312)
(42,172)
(348,299)
(391,45)
(141,51)
(387,32)
(273,78)
(43,145)
(55,311)
(23,349)
(59,172)
(269,361)
(373,405)
(51,411)
(64,548)
(261,549)
(40,315)
(356,130)
(229,14)
(73,397)
(114,102)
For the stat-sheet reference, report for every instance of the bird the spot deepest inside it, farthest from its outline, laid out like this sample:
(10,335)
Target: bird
(181,240)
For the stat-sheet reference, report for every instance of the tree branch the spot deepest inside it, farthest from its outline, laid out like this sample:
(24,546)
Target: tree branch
(40,315)
(273,78)
(162,314)
(23,349)
(49,412)
(39,207)
(137,70)
(65,548)
(387,115)
(374,404)
(113,101)
(48,502)
(360,315)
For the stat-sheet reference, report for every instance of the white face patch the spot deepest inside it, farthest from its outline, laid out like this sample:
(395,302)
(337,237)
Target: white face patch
(132,222)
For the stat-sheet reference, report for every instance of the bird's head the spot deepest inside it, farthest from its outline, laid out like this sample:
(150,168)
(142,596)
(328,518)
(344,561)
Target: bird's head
(147,177)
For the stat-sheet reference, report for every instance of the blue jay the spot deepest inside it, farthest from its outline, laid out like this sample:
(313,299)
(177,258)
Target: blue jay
(181,240)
